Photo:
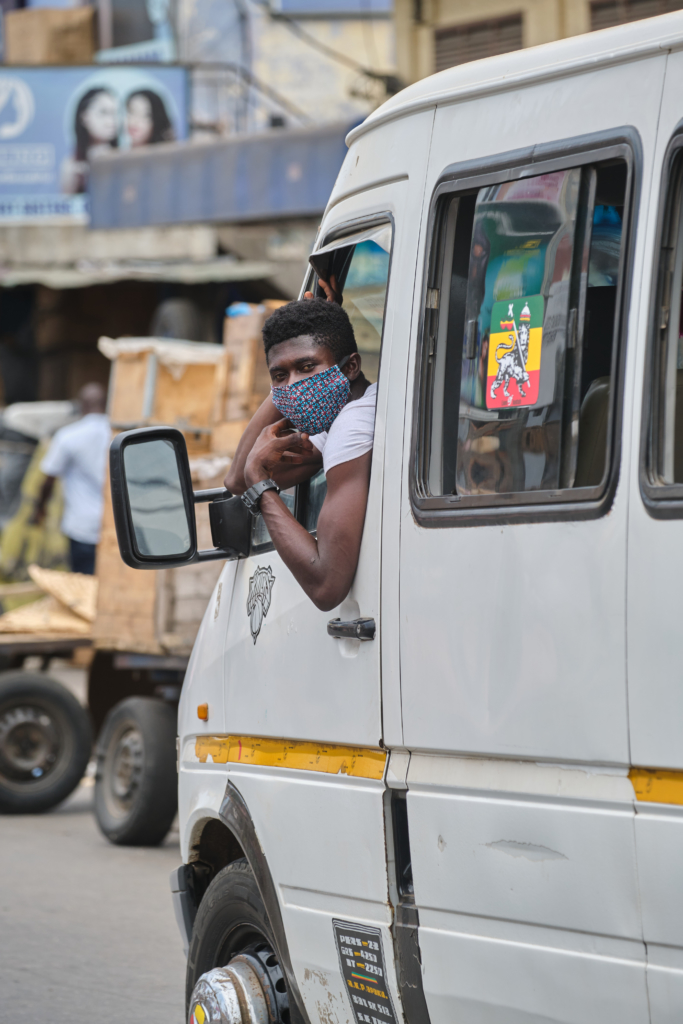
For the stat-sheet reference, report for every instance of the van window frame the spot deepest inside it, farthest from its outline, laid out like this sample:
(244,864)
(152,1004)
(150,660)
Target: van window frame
(340,231)
(335,234)
(662,501)
(531,506)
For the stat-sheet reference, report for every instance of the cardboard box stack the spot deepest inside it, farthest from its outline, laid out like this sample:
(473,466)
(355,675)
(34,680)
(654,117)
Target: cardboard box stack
(50,35)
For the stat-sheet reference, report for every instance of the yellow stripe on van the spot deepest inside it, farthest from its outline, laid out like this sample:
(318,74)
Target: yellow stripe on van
(657,786)
(362,762)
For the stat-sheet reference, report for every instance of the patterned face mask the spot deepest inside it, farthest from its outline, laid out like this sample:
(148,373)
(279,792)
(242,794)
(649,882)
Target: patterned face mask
(312,404)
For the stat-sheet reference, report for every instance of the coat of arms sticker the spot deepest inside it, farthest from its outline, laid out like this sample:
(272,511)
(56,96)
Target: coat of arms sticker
(514,364)
(258,601)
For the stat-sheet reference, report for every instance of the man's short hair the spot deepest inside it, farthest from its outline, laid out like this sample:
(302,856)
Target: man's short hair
(326,322)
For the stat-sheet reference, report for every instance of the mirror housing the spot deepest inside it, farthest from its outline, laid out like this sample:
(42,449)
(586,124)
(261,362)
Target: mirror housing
(165,518)
(231,524)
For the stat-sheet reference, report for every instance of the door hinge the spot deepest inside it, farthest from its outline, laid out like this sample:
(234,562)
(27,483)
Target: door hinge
(432,298)
(571,328)
(469,349)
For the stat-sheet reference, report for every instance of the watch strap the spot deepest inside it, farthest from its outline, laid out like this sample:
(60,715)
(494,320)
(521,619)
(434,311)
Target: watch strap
(252,496)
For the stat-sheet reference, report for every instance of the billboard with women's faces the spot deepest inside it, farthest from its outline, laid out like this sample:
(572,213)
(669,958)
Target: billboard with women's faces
(54,120)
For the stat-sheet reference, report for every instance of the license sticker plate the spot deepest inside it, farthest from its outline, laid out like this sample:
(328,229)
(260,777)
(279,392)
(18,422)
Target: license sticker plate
(362,965)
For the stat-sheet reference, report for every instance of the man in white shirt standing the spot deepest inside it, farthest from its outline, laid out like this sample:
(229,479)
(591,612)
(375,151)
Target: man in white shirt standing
(78,457)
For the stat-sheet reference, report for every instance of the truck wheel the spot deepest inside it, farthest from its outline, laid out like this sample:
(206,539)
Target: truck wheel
(45,742)
(136,786)
(233,975)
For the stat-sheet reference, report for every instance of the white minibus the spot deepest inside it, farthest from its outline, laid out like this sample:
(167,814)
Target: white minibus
(458,797)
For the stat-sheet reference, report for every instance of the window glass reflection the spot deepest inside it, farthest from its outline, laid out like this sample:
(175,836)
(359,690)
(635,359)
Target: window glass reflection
(317,489)
(516,316)
(365,292)
(260,536)
(155,497)
(520,341)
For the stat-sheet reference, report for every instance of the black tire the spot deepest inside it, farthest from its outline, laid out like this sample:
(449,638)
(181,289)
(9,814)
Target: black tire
(136,786)
(231,917)
(45,742)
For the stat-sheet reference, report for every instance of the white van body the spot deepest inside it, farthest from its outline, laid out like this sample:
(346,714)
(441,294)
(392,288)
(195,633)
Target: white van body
(523,694)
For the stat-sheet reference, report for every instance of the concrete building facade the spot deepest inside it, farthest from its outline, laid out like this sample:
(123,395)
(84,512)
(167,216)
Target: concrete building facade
(432,35)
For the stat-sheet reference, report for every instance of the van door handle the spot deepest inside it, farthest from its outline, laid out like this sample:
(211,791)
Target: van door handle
(355,629)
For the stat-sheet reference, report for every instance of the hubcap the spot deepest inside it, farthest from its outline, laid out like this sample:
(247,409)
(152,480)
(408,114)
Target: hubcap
(127,765)
(250,990)
(29,743)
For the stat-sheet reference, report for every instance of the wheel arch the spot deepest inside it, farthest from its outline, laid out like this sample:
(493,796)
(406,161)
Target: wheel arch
(217,842)
(212,847)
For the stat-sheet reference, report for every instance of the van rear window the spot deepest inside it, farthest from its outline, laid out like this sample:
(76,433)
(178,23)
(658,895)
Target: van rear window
(520,331)
(664,449)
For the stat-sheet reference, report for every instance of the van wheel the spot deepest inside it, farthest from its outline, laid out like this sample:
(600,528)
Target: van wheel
(136,786)
(233,975)
(45,742)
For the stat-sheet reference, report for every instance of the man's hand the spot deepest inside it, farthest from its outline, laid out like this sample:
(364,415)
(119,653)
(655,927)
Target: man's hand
(37,517)
(44,496)
(278,444)
(330,289)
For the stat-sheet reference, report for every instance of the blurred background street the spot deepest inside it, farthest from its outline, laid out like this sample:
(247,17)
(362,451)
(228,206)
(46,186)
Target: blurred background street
(88,932)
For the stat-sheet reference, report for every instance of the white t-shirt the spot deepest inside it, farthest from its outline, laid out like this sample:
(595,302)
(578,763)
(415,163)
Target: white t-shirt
(78,456)
(352,433)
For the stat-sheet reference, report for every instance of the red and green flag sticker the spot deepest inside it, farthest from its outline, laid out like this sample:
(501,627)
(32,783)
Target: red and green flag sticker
(514,364)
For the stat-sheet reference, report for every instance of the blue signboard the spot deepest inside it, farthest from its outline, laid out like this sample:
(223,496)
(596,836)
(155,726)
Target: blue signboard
(53,120)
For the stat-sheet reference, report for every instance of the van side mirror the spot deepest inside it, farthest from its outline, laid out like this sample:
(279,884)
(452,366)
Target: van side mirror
(153,502)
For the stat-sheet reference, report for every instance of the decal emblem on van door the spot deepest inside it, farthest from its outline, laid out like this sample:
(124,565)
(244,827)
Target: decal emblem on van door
(515,353)
(361,959)
(258,602)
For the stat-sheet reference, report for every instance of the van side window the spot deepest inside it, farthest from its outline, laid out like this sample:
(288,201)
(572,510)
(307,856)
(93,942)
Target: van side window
(317,489)
(664,453)
(359,265)
(519,339)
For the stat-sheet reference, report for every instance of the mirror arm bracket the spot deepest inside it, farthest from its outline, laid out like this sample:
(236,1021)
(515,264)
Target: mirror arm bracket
(213,494)
(213,554)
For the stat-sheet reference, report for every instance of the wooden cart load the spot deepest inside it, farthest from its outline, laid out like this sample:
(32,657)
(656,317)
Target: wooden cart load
(45,734)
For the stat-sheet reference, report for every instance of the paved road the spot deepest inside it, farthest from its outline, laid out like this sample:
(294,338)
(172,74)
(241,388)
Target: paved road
(87,932)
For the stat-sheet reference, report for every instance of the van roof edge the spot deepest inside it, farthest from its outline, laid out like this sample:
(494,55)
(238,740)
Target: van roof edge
(533,64)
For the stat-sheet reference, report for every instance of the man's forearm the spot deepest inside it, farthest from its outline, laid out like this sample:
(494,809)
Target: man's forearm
(289,476)
(324,567)
(298,549)
(264,415)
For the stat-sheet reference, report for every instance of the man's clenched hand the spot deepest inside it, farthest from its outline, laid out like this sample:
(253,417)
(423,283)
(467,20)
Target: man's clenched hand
(278,444)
